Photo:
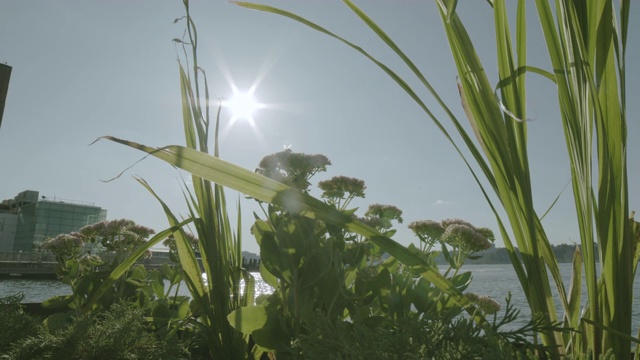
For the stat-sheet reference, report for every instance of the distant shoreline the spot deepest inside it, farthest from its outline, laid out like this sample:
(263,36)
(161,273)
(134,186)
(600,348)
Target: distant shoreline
(35,266)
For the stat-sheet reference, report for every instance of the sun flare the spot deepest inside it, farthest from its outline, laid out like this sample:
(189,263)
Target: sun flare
(243,106)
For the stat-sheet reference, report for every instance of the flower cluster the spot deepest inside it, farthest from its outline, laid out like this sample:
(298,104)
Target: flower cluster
(341,187)
(117,235)
(64,246)
(488,305)
(484,303)
(383,215)
(428,231)
(465,238)
(457,233)
(293,169)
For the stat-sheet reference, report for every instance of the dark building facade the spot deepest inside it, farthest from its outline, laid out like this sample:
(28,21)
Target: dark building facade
(5,75)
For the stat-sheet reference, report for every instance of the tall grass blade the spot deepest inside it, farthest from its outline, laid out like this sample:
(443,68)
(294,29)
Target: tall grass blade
(265,189)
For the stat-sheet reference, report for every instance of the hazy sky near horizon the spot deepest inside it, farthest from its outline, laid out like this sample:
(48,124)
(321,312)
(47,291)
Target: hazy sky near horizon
(87,68)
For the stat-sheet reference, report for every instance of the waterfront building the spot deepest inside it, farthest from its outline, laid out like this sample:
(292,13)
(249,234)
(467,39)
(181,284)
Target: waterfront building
(8,224)
(28,219)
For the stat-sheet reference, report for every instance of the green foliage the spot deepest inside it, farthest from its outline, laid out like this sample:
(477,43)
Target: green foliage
(439,336)
(85,272)
(16,323)
(586,43)
(325,275)
(267,190)
(143,321)
(324,263)
(119,333)
(93,292)
(217,243)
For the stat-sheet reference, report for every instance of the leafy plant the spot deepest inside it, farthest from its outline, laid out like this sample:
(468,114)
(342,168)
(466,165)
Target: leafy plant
(208,211)
(463,238)
(119,333)
(116,238)
(16,323)
(410,338)
(84,271)
(586,44)
(325,274)
(94,293)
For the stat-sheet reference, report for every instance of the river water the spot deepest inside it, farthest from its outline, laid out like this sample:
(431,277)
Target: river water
(495,281)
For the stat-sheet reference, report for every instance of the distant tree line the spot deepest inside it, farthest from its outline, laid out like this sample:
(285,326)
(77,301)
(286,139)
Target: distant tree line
(564,253)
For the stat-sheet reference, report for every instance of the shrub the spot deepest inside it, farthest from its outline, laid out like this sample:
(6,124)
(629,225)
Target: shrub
(120,333)
(16,324)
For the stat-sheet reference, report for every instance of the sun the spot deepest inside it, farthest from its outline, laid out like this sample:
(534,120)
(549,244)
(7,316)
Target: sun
(243,106)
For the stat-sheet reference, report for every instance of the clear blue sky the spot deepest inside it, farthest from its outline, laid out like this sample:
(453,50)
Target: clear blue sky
(87,68)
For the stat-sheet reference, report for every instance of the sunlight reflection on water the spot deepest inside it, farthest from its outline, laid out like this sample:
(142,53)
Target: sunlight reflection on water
(36,291)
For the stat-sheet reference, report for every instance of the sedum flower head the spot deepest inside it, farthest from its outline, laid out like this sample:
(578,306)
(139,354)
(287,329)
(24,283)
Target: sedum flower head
(448,222)
(292,169)
(428,231)
(465,237)
(119,234)
(487,233)
(488,305)
(473,297)
(64,245)
(457,235)
(341,187)
(484,303)
(385,214)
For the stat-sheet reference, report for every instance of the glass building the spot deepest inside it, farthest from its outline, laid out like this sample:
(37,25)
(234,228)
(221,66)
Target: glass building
(39,219)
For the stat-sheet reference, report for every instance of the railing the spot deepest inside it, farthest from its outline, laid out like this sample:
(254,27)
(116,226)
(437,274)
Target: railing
(27,257)
(39,264)
(23,263)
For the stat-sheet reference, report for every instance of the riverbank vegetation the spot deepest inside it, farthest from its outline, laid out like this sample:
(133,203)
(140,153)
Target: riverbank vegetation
(335,295)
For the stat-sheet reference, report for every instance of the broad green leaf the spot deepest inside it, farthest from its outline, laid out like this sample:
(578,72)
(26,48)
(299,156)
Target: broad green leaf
(268,277)
(157,283)
(248,319)
(57,302)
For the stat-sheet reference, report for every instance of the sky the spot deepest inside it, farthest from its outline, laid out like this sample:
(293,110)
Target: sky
(88,68)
